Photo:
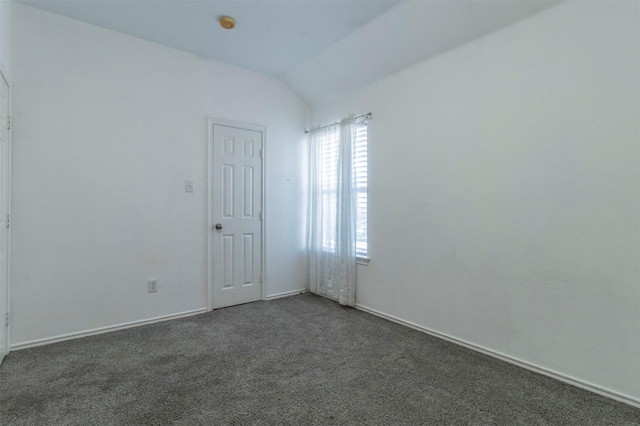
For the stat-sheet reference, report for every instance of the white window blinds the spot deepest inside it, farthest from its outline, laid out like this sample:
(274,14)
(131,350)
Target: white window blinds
(360,165)
(328,182)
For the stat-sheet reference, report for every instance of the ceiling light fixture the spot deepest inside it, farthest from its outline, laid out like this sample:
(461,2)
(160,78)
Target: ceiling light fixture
(227,22)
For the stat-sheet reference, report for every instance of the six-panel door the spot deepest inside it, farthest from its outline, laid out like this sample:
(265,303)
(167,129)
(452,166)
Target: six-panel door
(236,210)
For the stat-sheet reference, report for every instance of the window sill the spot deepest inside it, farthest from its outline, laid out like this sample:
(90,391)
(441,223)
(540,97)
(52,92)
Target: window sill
(362,261)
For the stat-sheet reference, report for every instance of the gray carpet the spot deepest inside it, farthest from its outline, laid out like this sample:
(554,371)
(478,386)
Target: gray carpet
(301,360)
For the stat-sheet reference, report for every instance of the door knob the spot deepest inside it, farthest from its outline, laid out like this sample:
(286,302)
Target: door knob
(218,226)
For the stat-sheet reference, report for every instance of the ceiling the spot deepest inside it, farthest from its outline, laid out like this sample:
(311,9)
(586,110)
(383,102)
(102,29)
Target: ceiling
(321,48)
(409,33)
(271,36)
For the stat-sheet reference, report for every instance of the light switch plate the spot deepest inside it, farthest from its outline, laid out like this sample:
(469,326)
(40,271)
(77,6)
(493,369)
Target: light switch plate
(189,186)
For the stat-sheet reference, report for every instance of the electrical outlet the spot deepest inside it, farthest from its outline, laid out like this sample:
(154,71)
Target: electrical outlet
(153,286)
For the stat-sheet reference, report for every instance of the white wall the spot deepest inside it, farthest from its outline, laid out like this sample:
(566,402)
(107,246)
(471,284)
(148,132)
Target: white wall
(504,193)
(5,37)
(107,128)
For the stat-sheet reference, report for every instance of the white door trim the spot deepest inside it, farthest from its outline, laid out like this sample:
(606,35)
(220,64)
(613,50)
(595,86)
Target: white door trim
(257,128)
(8,248)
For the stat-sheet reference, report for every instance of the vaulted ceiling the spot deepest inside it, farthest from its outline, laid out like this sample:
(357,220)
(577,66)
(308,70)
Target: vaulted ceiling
(271,37)
(319,47)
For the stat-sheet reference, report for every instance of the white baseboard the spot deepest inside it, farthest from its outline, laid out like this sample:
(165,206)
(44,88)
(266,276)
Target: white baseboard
(100,330)
(510,359)
(286,294)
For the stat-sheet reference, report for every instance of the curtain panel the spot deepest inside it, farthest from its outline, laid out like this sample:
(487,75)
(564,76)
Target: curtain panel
(331,235)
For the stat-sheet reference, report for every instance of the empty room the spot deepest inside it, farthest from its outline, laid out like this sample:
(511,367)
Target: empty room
(303,212)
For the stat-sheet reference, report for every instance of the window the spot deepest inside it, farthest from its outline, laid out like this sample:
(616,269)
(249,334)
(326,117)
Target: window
(360,165)
(329,153)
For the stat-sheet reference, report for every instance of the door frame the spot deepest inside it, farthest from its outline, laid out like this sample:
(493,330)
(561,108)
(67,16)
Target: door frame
(263,247)
(8,248)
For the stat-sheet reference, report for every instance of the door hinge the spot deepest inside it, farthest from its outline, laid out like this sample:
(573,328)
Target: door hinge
(8,219)
(8,122)
(260,277)
(6,320)
(261,154)
(260,215)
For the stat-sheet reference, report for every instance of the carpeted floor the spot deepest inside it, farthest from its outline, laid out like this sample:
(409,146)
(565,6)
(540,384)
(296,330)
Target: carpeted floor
(301,360)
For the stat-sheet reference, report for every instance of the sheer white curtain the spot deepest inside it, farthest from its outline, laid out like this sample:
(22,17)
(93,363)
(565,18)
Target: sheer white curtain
(332,213)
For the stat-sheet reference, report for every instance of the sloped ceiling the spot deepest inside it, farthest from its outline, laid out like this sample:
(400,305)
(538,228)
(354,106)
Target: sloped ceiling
(271,36)
(407,34)
(321,48)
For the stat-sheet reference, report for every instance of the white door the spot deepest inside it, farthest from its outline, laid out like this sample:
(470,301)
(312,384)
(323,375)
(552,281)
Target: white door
(4,217)
(236,209)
